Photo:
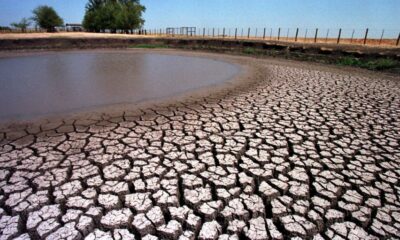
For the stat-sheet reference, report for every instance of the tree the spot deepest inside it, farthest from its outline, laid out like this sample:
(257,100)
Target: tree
(111,15)
(23,24)
(93,5)
(130,16)
(46,17)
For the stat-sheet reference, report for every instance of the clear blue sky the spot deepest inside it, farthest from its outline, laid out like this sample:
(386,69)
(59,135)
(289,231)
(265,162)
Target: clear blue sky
(375,14)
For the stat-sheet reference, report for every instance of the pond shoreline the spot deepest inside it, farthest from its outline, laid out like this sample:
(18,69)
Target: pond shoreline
(253,71)
(243,78)
(386,59)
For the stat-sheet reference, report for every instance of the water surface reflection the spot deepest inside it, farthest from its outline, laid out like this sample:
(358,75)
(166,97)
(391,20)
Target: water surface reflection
(62,82)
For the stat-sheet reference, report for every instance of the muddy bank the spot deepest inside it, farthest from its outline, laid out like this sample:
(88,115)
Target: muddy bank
(278,47)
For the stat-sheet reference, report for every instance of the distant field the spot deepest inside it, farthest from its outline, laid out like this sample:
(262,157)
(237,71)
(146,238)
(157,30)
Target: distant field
(67,35)
(370,42)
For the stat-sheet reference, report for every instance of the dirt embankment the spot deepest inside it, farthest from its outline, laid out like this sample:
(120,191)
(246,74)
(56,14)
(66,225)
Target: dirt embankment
(374,58)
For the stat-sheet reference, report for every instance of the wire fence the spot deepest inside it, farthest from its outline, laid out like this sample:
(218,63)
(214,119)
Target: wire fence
(385,37)
(375,37)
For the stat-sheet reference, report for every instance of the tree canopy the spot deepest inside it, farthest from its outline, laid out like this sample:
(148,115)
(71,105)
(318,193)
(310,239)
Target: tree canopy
(111,15)
(46,17)
(23,24)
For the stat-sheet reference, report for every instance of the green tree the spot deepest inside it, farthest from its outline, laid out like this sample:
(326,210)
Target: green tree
(23,24)
(113,15)
(130,16)
(46,17)
(93,5)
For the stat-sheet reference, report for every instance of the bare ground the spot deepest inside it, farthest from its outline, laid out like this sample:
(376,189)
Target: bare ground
(288,150)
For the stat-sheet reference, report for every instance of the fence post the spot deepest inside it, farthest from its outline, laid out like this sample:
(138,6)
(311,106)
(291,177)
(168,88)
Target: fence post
(204,32)
(264,34)
(305,35)
(279,33)
(338,38)
(297,34)
(366,36)
(398,40)
(213,32)
(316,35)
(256,33)
(248,33)
(327,35)
(352,36)
(223,33)
(235,33)
(270,35)
(380,40)
(287,34)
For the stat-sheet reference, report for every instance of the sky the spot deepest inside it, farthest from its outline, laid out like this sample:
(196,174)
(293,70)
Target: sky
(358,14)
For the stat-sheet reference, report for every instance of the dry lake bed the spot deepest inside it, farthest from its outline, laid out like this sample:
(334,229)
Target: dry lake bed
(284,150)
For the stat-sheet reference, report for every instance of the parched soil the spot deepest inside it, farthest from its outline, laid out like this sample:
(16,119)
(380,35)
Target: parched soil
(291,150)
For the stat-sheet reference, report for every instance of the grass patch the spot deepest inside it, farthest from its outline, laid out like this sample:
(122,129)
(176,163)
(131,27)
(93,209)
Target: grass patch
(150,46)
(376,64)
(250,51)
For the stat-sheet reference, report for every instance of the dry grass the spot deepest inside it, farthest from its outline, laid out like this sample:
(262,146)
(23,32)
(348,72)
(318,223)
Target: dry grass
(370,42)
(67,35)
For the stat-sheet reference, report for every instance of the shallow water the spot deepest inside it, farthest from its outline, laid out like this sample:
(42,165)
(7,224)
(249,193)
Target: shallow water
(65,82)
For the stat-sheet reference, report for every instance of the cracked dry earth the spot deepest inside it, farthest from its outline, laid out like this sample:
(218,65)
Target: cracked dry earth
(299,153)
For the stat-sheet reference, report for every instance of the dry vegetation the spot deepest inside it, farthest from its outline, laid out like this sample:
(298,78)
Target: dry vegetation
(371,42)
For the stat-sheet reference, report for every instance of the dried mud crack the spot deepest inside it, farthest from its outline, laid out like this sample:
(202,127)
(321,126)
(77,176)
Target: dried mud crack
(300,151)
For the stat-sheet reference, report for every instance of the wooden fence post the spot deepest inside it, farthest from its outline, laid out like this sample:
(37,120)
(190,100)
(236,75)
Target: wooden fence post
(248,33)
(380,40)
(305,35)
(327,35)
(352,36)
(213,32)
(338,38)
(316,35)
(366,36)
(264,34)
(204,32)
(297,34)
(279,33)
(270,35)
(223,33)
(398,40)
(235,33)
